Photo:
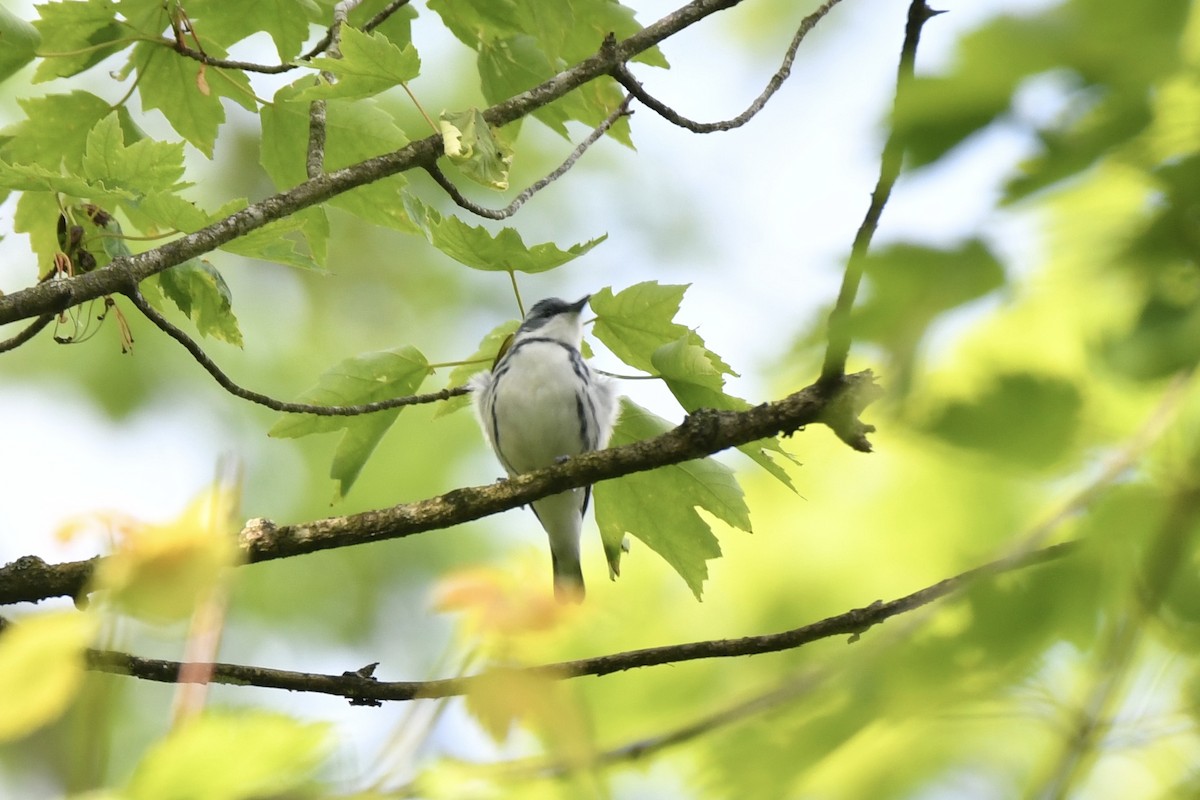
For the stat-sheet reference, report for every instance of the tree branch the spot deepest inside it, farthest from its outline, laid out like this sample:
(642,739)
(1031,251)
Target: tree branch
(124,273)
(30,331)
(635,88)
(702,433)
(893,155)
(365,690)
(314,161)
(463,202)
(189,344)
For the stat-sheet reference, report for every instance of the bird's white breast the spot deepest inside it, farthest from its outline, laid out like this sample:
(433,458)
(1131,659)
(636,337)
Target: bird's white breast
(537,413)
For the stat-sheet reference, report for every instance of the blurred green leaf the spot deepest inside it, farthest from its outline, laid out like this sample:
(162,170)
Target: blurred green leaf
(934,114)
(1115,120)
(363,379)
(232,756)
(909,286)
(397,27)
(370,64)
(19,41)
(508,67)
(41,669)
(659,507)
(1028,420)
(1164,339)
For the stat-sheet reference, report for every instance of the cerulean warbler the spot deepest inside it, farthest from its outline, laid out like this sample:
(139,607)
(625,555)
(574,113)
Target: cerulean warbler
(540,404)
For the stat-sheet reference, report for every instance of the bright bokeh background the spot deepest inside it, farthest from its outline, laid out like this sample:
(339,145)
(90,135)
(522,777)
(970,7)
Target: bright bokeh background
(973,701)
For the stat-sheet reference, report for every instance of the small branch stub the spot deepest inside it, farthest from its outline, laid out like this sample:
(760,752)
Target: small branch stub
(848,399)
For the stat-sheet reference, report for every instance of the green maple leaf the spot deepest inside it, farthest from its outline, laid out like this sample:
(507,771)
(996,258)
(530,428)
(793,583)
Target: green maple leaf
(638,326)
(477,248)
(370,64)
(696,377)
(634,323)
(365,378)
(659,507)
(56,129)
(475,148)
(141,167)
(286,21)
(189,94)
(199,291)
(354,131)
(76,27)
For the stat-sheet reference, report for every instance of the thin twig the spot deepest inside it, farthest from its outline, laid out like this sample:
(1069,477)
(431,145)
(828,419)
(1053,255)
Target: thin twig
(893,152)
(274,69)
(314,161)
(503,213)
(635,88)
(228,385)
(355,687)
(31,330)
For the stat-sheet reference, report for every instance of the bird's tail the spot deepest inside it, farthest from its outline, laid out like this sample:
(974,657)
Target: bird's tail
(561,515)
(568,579)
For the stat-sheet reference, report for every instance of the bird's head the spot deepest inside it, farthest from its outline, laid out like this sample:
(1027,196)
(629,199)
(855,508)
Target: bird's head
(556,319)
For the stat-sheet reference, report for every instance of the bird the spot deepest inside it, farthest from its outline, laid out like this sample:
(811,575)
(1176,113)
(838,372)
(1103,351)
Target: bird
(540,404)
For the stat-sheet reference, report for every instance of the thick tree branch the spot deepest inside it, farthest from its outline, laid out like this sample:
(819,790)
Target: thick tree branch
(123,274)
(503,213)
(702,433)
(366,690)
(202,358)
(893,155)
(631,84)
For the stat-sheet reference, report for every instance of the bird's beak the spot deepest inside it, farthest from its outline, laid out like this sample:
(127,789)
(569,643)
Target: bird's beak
(578,305)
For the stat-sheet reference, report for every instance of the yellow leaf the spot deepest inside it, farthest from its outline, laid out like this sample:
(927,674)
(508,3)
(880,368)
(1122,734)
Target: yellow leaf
(41,668)
(500,604)
(159,572)
(501,697)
